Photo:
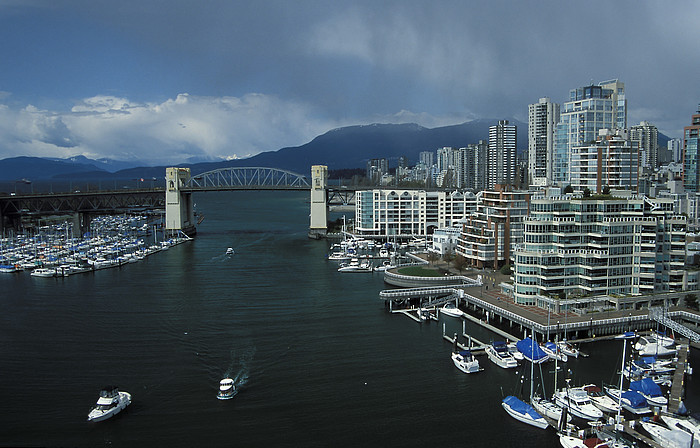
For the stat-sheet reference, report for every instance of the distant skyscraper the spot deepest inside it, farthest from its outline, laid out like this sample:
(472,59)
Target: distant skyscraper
(427,158)
(543,117)
(589,109)
(611,161)
(472,166)
(675,147)
(501,154)
(646,136)
(691,154)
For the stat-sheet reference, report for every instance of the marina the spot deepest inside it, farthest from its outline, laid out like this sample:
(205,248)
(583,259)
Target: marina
(190,316)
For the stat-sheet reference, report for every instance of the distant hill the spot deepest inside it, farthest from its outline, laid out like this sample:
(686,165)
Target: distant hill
(342,148)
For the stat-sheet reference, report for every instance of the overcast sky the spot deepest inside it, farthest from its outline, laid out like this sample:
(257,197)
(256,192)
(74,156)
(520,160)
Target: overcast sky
(168,80)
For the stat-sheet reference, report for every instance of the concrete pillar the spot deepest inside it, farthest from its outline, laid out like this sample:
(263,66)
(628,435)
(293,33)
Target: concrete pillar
(319,206)
(179,209)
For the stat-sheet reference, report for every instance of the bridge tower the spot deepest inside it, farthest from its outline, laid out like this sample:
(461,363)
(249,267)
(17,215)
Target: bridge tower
(179,210)
(319,206)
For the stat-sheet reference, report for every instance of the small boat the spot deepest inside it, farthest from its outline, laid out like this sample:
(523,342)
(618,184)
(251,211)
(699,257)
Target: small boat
(230,251)
(110,403)
(8,268)
(498,353)
(649,345)
(630,400)
(553,351)
(523,412)
(450,309)
(515,353)
(531,351)
(548,408)
(578,402)
(568,349)
(356,266)
(649,390)
(385,266)
(44,272)
(689,425)
(672,438)
(465,361)
(227,389)
(649,366)
(568,441)
(599,399)
(340,255)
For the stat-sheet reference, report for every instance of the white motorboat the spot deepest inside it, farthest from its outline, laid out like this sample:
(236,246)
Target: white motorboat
(44,272)
(355,265)
(689,425)
(553,351)
(499,354)
(227,389)
(568,349)
(450,309)
(8,268)
(629,399)
(110,403)
(599,399)
(671,438)
(339,255)
(465,361)
(578,402)
(385,266)
(230,251)
(650,346)
(523,412)
(513,350)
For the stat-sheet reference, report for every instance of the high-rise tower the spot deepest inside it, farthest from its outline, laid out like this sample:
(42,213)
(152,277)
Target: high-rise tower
(691,154)
(543,117)
(501,155)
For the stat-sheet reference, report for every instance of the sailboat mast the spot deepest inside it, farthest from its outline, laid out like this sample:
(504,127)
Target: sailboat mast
(622,375)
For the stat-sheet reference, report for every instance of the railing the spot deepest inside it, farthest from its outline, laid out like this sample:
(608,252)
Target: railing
(248,177)
(663,318)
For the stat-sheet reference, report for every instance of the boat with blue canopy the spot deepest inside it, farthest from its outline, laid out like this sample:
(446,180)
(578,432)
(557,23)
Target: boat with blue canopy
(531,351)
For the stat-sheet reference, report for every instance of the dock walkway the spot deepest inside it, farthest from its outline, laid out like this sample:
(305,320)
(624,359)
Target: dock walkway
(678,386)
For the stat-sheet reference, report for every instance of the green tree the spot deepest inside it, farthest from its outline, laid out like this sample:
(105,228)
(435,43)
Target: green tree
(506,269)
(606,190)
(586,192)
(568,189)
(448,257)
(691,301)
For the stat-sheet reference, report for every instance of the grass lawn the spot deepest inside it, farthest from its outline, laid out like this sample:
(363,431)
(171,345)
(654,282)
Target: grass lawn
(419,271)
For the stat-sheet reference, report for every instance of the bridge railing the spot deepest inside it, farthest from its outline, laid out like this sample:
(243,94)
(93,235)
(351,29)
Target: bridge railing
(241,177)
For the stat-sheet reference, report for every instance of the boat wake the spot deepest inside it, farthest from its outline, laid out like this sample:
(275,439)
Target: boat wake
(240,364)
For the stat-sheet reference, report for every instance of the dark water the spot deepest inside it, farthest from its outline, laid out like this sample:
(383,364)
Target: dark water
(321,362)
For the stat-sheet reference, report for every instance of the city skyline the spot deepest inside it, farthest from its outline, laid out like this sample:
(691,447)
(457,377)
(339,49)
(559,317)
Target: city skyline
(177,80)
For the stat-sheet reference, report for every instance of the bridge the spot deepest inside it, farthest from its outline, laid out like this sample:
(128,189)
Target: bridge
(176,198)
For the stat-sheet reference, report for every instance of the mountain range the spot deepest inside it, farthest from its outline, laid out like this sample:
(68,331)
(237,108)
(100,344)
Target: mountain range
(341,148)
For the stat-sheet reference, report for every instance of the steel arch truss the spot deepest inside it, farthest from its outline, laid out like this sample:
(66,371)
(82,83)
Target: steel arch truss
(248,178)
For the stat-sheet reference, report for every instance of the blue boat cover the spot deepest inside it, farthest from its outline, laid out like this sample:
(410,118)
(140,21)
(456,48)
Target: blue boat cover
(646,386)
(551,345)
(649,359)
(635,399)
(521,407)
(531,350)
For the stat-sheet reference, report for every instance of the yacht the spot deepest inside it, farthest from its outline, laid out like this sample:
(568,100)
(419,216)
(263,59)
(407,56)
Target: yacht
(578,403)
(385,266)
(553,351)
(548,408)
(450,309)
(599,399)
(110,403)
(230,251)
(227,389)
(531,351)
(650,390)
(567,348)
(522,411)
(44,272)
(498,354)
(465,361)
(630,400)
(666,437)
(356,266)
(649,345)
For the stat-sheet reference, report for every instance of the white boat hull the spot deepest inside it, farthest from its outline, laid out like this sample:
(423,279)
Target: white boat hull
(465,365)
(96,415)
(525,418)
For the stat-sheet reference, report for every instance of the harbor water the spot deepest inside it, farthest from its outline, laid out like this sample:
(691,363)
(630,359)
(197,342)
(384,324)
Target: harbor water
(318,359)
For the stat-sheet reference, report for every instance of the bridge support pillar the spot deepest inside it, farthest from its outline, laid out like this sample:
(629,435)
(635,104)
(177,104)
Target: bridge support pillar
(319,206)
(179,209)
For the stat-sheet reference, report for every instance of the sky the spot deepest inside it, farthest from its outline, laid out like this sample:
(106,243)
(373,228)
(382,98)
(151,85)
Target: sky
(170,81)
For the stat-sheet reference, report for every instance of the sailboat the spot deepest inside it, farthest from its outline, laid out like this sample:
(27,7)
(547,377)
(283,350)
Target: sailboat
(522,411)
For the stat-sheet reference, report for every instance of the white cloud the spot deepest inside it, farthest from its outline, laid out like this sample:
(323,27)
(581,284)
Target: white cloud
(170,132)
(176,130)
